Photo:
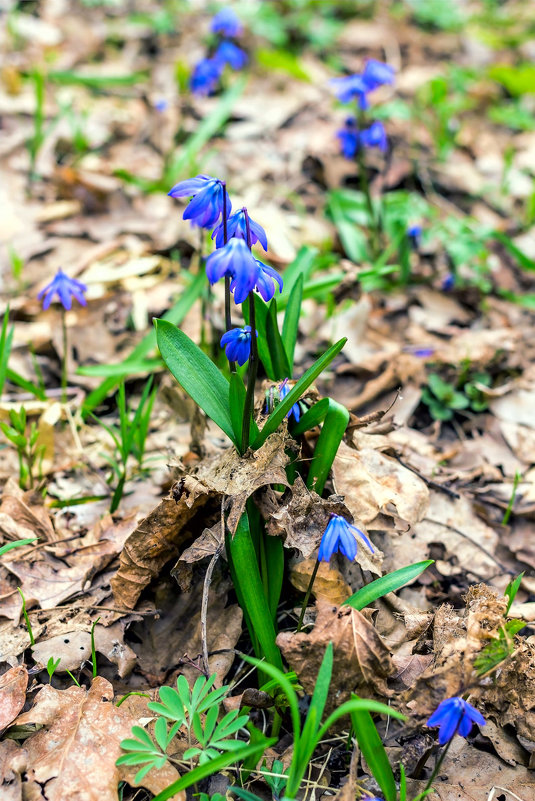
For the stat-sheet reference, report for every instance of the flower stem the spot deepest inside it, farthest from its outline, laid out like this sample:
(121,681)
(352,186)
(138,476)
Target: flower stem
(307,596)
(228,315)
(65,357)
(365,189)
(248,407)
(439,763)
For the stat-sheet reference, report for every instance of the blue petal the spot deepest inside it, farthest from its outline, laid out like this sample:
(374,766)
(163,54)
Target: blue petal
(191,186)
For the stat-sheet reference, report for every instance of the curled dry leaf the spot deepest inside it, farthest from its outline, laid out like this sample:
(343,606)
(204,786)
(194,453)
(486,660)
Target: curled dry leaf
(13,685)
(74,753)
(362,662)
(23,515)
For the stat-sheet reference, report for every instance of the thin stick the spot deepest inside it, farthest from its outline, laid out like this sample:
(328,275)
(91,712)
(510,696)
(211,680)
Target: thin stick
(307,596)
(65,356)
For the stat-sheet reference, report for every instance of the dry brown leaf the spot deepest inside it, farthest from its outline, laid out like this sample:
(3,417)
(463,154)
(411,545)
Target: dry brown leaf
(362,662)
(74,754)
(23,515)
(13,762)
(13,685)
(329,584)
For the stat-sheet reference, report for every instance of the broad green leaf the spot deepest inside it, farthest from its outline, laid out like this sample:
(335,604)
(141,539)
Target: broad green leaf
(237,402)
(374,752)
(290,326)
(196,374)
(282,409)
(389,583)
(332,431)
(518,79)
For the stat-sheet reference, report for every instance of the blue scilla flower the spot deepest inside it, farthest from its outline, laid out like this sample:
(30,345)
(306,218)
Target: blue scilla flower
(209,196)
(237,344)
(205,76)
(349,87)
(349,137)
(455,715)
(227,23)
(236,261)
(237,226)
(377,73)
(65,288)
(374,136)
(414,233)
(340,536)
(266,279)
(295,411)
(229,53)
(448,282)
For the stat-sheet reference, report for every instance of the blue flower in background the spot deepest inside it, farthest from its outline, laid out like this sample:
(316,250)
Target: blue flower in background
(205,76)
(414,233)
(374,136)
(229,53)
(236,261)
(65,288)
(377,73)
(295,411)
(448,282)
(349,137)
(227,23)
(455,715)
(237,344)
(340,536)
(266,279)
(208,199)
(349,87)
(161,105)
(237,226)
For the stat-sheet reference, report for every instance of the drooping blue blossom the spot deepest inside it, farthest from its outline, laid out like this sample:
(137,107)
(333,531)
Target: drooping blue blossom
(349,87)
(229,53)
(455,716)
(236,261)
(208,199)
(227,23)
(374,136)
(377,73)
(414,233)
(295,411)
(237,226)
(205,76)
(421,351)
(349,137)
(65,288)
(237,344)
(266,279)
(448,282)
(340,536)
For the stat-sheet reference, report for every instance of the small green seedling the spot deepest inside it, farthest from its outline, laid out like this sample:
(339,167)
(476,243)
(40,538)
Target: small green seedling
(26,617)
(502,646)
(25,441)
(442,399)
(51,667)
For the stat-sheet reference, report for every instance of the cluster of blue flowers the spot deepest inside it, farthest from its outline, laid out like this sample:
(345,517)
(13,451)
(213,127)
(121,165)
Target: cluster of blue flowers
(207,72)
(358,87)
(234,235)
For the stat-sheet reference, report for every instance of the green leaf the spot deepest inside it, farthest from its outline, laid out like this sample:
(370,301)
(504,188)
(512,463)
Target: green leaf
(6,339)
(279,359)
(332,431)
(237,402)
(196,374)
(518,79)
(525,262)
(281,410)
(290,326)
(389,583)
(261,315)
(374,752)
(123,369)
(71,78)
(302,265)
(23,383)
(510,591)
(282,61)
(317,706)
(17,544)
(357,704)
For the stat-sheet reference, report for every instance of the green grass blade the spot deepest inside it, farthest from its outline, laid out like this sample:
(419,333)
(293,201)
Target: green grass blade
(261,315)
(196,374)
(237,403)
(71,78)
(312,417)
(290,326)
(317,704)
(6,340)
(16,544)
(302,265)
(282,409)
(357,704)
(332,431)
(175,315)
(279,359)
(389,583)
(122,370)
(23,383)
(374,752)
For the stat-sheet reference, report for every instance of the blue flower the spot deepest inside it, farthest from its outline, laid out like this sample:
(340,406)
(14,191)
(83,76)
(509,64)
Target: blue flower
(237,226)
(377,73)
(265,281)
(236,261)
(340,536)
(229,53)
(414,233)
(374,136)
(65,288)
(349,87)
(454,715)
(349,137)
(237,344)
(295,411)
(448,282)
(421,351)
(208,199)
(205,76)
(227,23)
(161,105)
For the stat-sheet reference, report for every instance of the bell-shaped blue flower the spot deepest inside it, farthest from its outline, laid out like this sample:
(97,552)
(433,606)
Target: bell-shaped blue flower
(237,344)
(448,282)
(349,87)
(227,23)
(340,536)
(205,76)
(65,288)
(349,138)
(377,73)
(229,53)
(414,232)
(266,280)
(374,136)
(208,201)
(237,226)
(236,261)
(455,716)
(295,411)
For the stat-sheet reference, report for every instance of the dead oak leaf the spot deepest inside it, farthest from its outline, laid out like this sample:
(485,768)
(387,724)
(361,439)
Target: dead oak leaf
(74,754)
(13,762)
(13,685)
(362,662)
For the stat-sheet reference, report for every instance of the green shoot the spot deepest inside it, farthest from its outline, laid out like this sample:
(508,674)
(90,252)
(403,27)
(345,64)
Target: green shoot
(26,617)
(93,649)
(51,667)
(508,511)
